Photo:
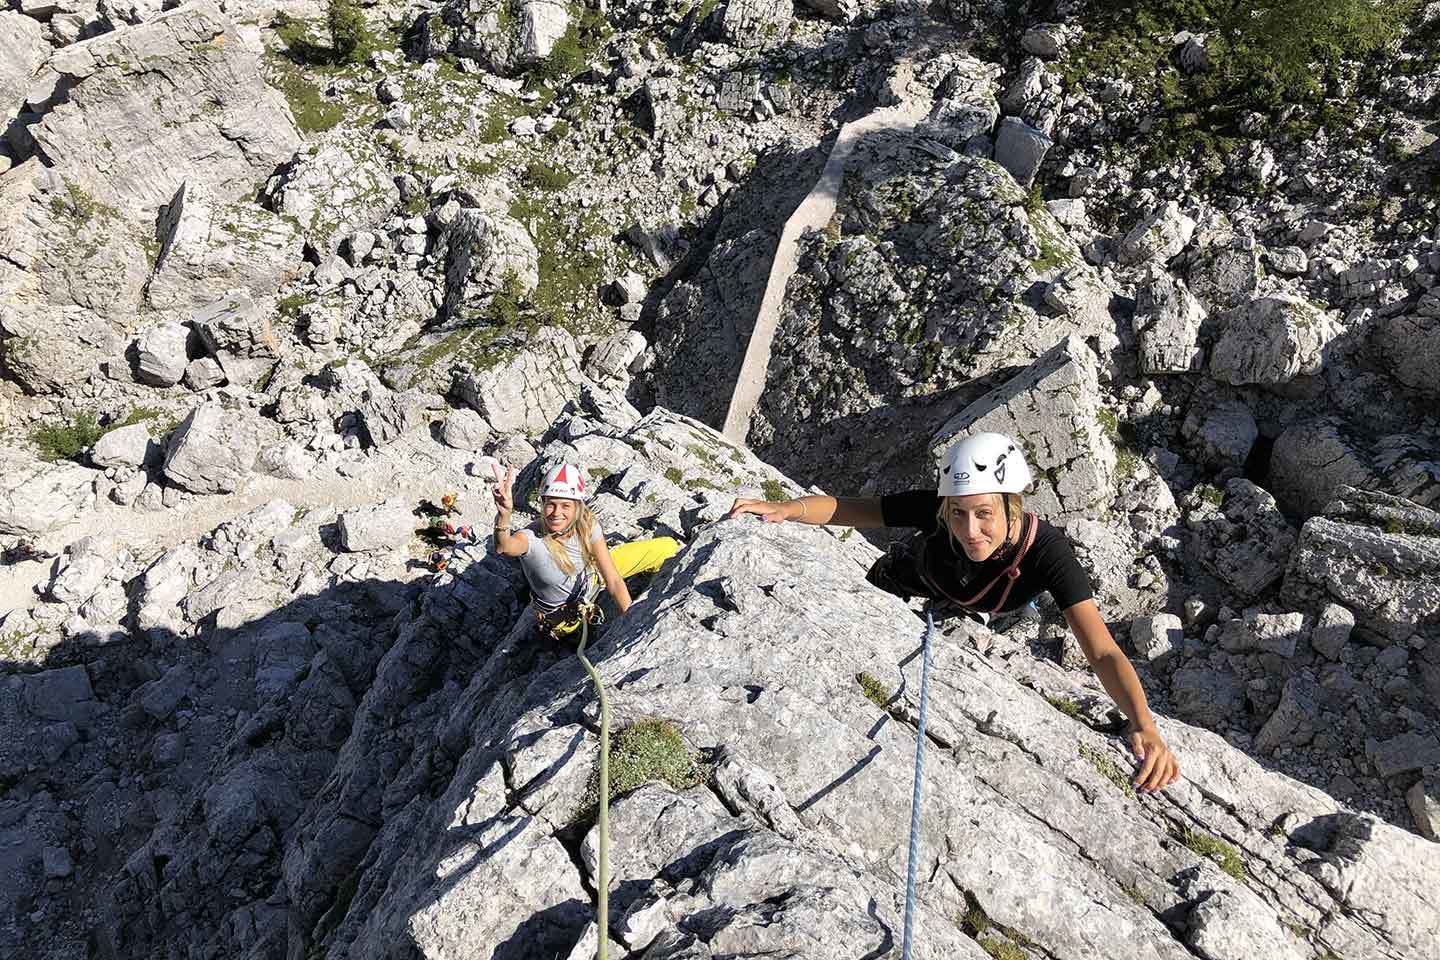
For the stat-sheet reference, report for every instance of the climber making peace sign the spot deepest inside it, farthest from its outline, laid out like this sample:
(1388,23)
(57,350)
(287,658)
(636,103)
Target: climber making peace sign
(563,554)
(980,552)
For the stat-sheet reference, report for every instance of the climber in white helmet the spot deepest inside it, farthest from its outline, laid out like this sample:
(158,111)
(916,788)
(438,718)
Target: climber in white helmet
(981,552)
(563,553)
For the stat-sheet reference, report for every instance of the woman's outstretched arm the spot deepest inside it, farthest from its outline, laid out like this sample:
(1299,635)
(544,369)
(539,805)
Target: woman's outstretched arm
(1159,767)
(836,511)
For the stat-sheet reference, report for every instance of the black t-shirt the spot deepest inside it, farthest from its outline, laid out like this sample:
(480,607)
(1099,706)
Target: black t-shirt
(1050,563)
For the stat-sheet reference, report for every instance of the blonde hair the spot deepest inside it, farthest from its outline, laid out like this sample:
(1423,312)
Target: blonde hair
(1012,503)
(583,526)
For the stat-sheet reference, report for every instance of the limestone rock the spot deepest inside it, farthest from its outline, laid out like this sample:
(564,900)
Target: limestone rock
(1390,581)
(1053,409)
(1311,461)
(1158,636)
(527,390)
(1247,543)
(1161,235)
(1221,433)
(464,429)
(339,185)
(149,107)
(615,356)
(213,450)
(756,24)
(506,36)
(1407,343)
(485,254)
(36,497)
(384,526)
(209,247)
(1167,320)
(1271,340)
(161,354)
(1424,800)
(1020,148)
(23,49)
(1294,720)
(130,446)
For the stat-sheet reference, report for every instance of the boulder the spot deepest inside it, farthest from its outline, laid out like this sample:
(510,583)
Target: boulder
(36,497)
(1423,798)
(1159,236)
(1158,636)
(1246,541)
(1167,321)
(1053,410)
(213,450)
(1376,555)
(210,247)
(1409,345)
(1271,340)
(485,254)
(1313,459)
(505,36)
(614,357)
(464,429)
(161,355)
(756,24)
(385,526)
(1295,720)
(1221,432)
(23,49)
(130,447)
(1020,148)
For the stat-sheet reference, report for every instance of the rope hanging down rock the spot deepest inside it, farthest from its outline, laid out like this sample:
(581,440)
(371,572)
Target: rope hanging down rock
(915,794)
(602,913)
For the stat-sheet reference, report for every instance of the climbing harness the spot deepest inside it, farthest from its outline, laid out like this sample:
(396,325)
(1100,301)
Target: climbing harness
(603,911)
(915,793)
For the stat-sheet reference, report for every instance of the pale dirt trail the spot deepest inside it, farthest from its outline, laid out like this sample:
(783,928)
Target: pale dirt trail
(813,213)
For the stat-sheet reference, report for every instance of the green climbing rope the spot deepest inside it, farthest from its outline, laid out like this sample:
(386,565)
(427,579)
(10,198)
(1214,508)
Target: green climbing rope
(604,821)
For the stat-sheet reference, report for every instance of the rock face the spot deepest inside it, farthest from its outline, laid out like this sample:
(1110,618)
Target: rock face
(484,254)
(108,134)
(527,390)
(1053,409)
(451,814)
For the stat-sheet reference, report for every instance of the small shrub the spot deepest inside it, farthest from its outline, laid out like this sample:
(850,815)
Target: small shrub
(1065,705)
(644,751)
(349,37)
(773,490)
(674,475)
(67,441)
(875,691)
(546,177)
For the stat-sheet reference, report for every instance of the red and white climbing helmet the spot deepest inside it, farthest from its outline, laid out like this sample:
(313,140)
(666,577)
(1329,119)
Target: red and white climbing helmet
(564,480)
(984,463)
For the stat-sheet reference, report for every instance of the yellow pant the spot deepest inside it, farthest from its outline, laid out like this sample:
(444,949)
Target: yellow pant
(642,556)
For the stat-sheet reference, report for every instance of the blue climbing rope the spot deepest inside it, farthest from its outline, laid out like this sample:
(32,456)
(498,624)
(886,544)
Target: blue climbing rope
(915,794)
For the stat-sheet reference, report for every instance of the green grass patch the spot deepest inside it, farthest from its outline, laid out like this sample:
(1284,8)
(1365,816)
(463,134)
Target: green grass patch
(1211,494)
(646,750)
(875,691)
(570,268)
(66,441)
(1065,705)
(1264,57)
(1108,768)
(571,55)
(1215,849)
(545,177)
(674,475)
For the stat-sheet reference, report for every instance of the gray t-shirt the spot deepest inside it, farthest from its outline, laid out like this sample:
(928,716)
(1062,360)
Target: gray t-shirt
(550,587)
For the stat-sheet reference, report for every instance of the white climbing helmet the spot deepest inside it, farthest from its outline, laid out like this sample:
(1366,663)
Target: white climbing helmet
(564,480)
(984,463)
